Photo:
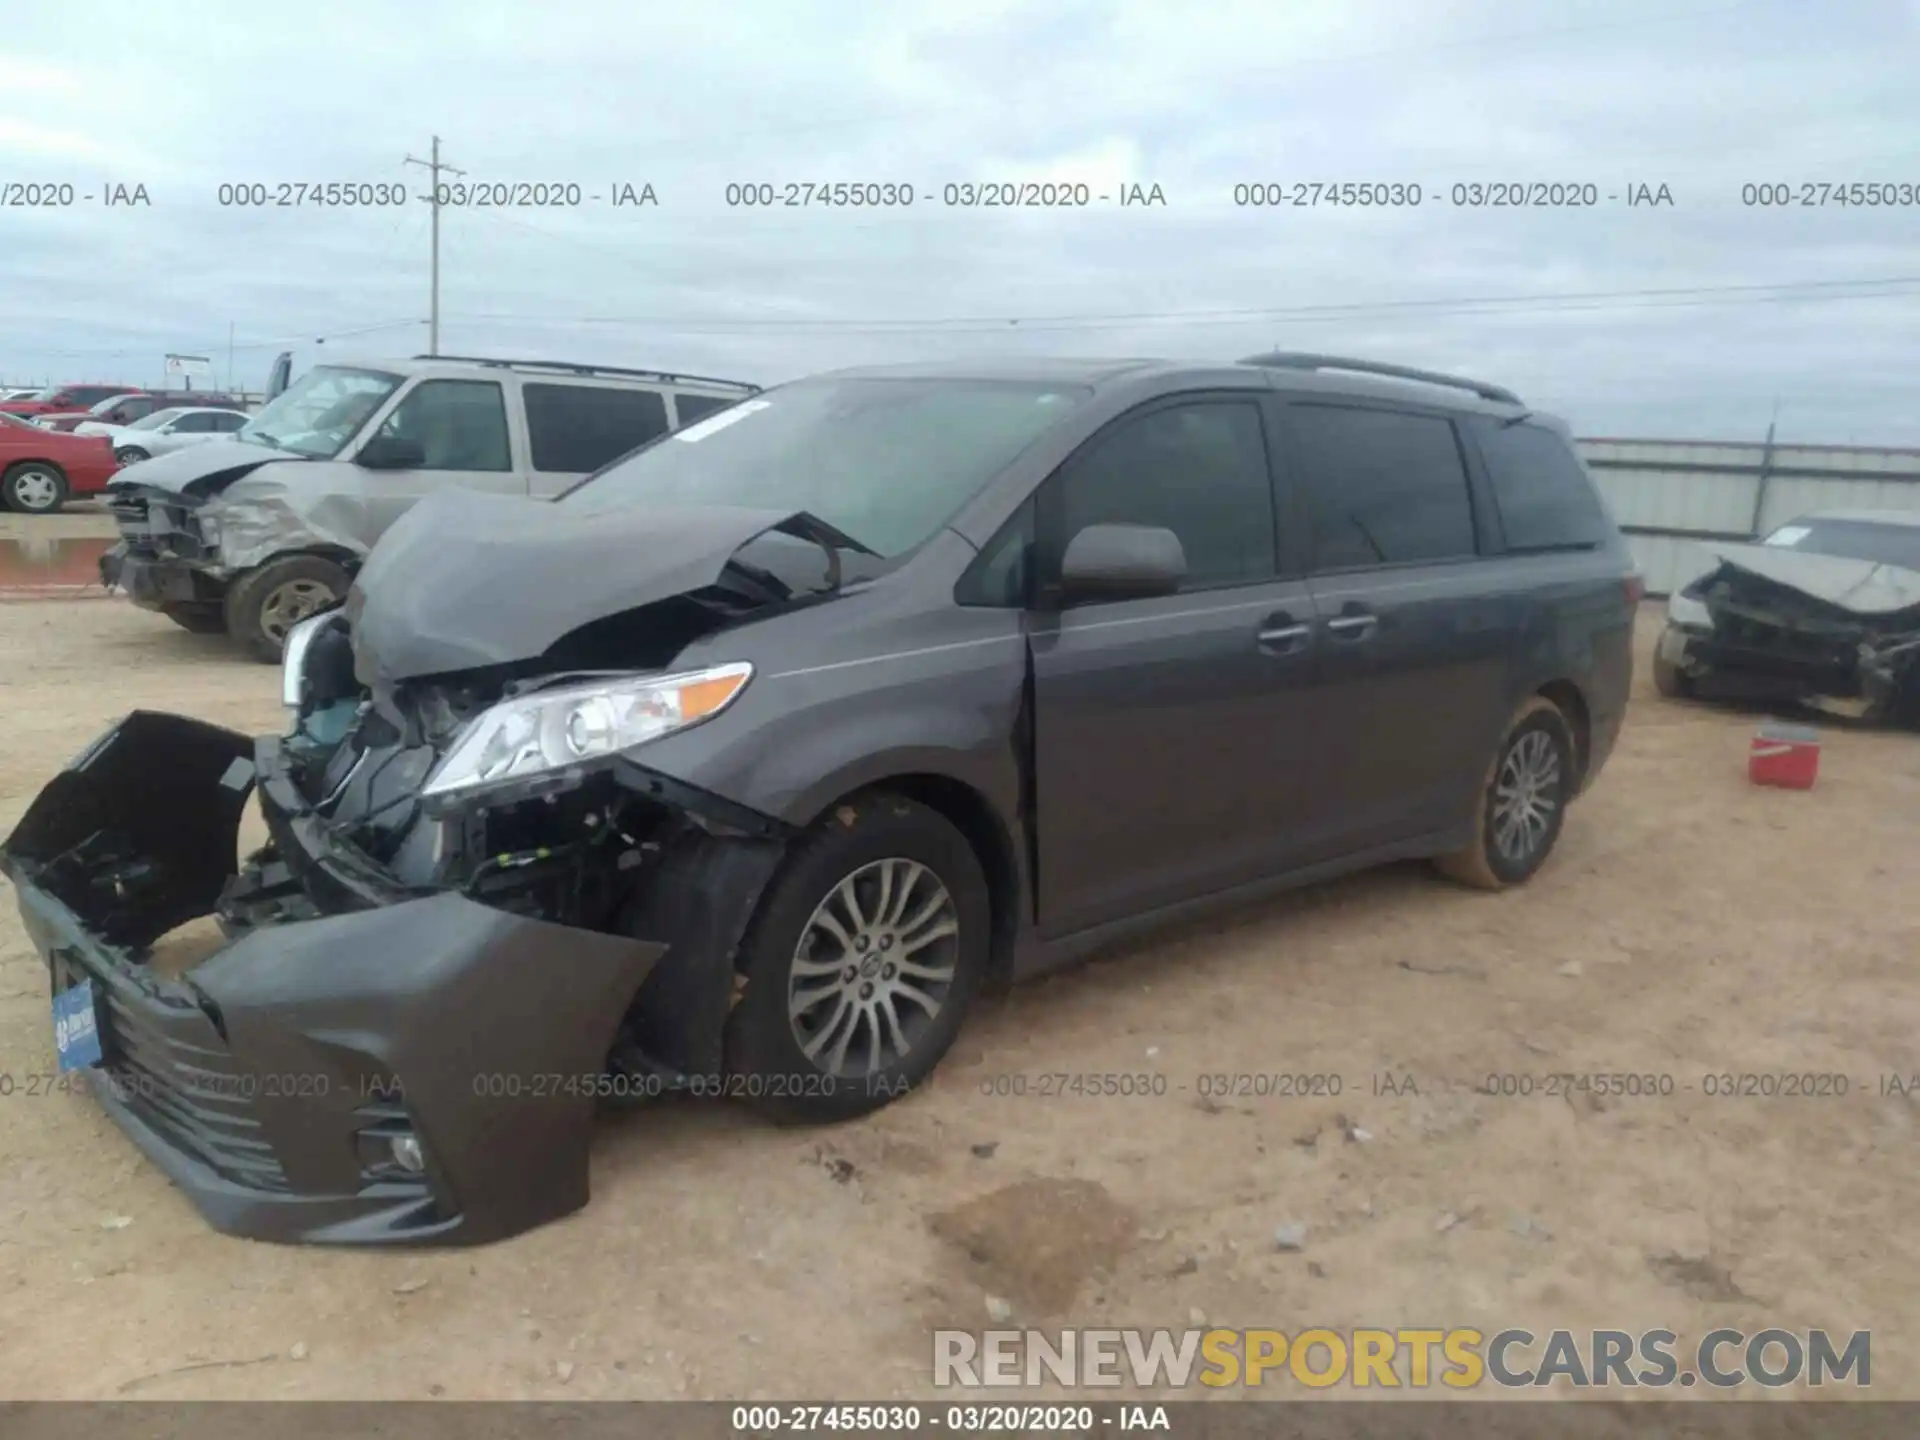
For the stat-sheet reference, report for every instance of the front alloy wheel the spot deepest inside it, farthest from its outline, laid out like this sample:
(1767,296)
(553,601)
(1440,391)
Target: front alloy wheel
(873,968)
(860,963)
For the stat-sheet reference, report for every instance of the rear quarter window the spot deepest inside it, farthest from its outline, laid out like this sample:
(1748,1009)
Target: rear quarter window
(689,408)
(575,429)
(1545,500)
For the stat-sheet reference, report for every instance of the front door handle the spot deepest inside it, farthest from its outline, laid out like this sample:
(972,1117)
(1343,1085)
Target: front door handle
(1281,634)
(1353,626)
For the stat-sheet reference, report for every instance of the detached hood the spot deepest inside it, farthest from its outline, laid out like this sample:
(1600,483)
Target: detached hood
(1862,587)
(466,579)
(200,470)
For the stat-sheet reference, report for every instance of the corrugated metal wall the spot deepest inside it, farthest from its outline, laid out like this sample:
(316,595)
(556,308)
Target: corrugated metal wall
(1669,495)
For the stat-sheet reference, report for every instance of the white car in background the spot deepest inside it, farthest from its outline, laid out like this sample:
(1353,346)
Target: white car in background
(165,430)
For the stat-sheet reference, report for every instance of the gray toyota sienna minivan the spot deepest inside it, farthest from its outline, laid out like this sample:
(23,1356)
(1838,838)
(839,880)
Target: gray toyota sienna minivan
(744,765)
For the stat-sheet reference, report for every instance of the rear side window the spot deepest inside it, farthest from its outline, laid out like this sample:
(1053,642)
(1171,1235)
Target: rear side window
(1384,487)
(574,429)
(689,408)
(1545,500)
(1199,470)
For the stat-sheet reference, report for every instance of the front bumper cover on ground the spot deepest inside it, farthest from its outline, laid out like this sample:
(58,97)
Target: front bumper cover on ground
(268,1080)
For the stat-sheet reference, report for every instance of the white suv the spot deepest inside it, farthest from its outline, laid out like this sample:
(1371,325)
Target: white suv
(253,532)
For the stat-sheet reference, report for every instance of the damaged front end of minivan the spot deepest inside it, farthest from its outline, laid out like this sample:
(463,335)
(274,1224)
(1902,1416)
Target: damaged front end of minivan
(478,911)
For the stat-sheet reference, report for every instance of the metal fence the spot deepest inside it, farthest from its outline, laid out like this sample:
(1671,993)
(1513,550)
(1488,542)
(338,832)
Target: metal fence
(1671,495)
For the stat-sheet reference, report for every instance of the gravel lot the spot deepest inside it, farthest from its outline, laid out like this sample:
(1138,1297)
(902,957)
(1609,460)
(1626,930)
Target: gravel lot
(1690,924)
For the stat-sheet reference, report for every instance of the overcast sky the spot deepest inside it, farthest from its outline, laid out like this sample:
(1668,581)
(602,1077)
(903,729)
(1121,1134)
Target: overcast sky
(1193,97)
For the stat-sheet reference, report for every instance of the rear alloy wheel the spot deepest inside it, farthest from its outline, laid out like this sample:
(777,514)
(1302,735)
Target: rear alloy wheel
(1523,802)
(266,603)
(861,964)
(131,455)
(34,487)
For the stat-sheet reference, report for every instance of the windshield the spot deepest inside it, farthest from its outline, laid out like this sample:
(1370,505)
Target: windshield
(155,420)
(321,411)
(886,461)
(1890,544)
(100,407)
(43,395)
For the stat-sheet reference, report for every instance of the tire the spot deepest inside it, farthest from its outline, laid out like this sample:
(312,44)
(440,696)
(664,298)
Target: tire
(264,603)
(131,455)
(1669,680)
(1539,739)
(33,487)
(860,845)
(200,621)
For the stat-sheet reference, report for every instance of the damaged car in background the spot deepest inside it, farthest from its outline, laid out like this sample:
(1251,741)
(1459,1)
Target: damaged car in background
(251,533)
(1825,611)
(744,766)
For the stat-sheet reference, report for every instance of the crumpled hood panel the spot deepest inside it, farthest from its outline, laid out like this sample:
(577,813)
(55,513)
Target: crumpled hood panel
(181,471)
(1861,586)
(466,579)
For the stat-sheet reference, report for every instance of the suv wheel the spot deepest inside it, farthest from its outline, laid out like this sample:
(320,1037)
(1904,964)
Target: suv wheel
(860,966)
(1522,804)
(33,487)
(266,603)
(130,455)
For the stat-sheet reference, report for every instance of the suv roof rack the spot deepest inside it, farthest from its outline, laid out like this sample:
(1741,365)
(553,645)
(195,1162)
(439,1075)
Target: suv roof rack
(572,369)
(1300,360)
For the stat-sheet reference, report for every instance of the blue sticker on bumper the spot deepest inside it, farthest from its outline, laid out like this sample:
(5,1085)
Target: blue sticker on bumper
(76,1027)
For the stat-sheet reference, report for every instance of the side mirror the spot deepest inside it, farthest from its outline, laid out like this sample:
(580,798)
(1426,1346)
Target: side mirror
(391,452)
(1122,562)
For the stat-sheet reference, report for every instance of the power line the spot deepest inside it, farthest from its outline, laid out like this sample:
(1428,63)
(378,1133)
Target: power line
(1646,297)
(305,338)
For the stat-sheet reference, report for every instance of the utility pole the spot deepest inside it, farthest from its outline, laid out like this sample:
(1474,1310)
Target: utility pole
(434,167)
(230,357)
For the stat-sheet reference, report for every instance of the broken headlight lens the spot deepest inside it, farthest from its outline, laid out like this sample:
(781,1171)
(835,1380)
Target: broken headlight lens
(1688,613)
(550,730)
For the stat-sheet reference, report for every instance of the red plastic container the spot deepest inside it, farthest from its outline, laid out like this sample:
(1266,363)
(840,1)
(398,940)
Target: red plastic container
(1784,755)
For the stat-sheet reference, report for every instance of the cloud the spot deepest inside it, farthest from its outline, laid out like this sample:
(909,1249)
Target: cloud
(931,92)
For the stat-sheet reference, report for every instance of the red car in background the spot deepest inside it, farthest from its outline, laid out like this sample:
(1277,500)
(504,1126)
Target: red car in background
(65,397)
(134,405)
(41,469)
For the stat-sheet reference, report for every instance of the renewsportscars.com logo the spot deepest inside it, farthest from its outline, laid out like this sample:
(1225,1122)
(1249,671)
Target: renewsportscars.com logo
(1457,1359)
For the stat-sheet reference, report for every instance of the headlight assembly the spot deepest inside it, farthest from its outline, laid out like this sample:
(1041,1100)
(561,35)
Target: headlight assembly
(551,730)
(1688,613)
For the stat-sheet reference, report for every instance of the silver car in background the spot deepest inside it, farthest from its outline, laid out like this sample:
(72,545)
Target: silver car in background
(165,430)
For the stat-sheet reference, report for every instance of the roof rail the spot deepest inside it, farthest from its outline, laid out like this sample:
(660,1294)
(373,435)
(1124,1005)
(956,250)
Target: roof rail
(1296,360)
(665,377)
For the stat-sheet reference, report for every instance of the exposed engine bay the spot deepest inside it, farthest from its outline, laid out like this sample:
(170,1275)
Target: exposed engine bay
(1768,628)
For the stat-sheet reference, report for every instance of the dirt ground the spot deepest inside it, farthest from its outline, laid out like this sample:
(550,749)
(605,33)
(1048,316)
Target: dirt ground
(1690,924)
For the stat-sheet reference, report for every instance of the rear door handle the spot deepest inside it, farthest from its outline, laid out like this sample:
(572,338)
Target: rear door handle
(1281,634)
(1352,627)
